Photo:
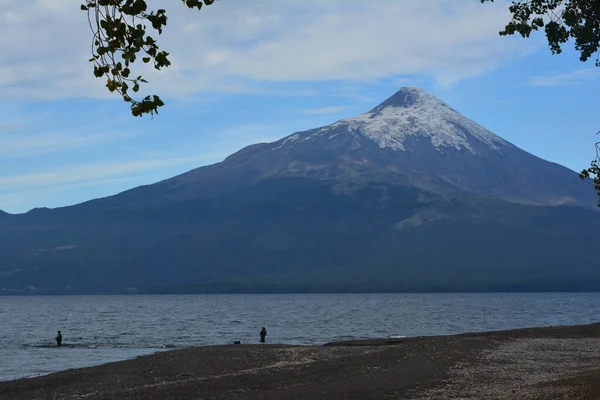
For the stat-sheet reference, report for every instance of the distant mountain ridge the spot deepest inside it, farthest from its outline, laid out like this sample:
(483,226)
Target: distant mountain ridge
(409,196)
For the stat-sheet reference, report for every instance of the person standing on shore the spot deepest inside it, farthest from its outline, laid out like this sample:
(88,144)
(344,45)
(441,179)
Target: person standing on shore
(263,334)
(59,339)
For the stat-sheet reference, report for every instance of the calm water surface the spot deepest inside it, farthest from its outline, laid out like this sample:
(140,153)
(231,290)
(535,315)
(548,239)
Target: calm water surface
(100,329)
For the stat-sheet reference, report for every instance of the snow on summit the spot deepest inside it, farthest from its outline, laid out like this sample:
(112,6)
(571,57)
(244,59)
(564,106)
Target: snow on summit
(413,112)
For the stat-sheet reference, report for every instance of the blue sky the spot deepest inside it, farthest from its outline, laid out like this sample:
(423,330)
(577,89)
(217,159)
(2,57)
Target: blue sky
(245,73)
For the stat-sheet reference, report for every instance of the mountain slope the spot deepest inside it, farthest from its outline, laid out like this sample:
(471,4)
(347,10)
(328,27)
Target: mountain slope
(408,196)
(411,139)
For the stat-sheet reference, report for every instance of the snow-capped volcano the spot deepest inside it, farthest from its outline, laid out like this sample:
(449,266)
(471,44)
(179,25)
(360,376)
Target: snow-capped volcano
(412,112)
(410,195)
(410,116)
(412,139)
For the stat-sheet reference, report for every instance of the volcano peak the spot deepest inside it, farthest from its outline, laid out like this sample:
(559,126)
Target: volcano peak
(410,96)
(412,113)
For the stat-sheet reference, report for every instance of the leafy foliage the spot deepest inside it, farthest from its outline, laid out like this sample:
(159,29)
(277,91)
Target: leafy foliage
(562,20)
(594,171)
(119,30)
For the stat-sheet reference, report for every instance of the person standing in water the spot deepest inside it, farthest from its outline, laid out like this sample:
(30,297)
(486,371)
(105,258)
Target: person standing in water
(58,339)
(263,334)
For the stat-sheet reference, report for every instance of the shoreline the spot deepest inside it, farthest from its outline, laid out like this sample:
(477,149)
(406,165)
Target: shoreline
(291,292)
(527,363)
(354,342)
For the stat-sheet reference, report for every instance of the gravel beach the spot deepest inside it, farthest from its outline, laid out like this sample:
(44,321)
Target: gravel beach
(538,363)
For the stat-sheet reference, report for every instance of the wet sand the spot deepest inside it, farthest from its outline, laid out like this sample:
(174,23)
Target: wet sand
(539,363)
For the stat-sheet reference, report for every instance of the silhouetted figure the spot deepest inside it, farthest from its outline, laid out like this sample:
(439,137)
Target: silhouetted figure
(58,339)
(263,334)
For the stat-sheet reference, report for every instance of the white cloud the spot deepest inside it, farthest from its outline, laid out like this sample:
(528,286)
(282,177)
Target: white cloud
(234,46)
(571,78)
(16,143)
(249,132)
(358,40)
(323,110)
(89,174)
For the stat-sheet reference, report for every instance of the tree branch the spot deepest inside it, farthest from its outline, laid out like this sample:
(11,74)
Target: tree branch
(116,43)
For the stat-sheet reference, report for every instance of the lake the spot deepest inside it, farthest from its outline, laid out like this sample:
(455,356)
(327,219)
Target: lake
(101,329)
